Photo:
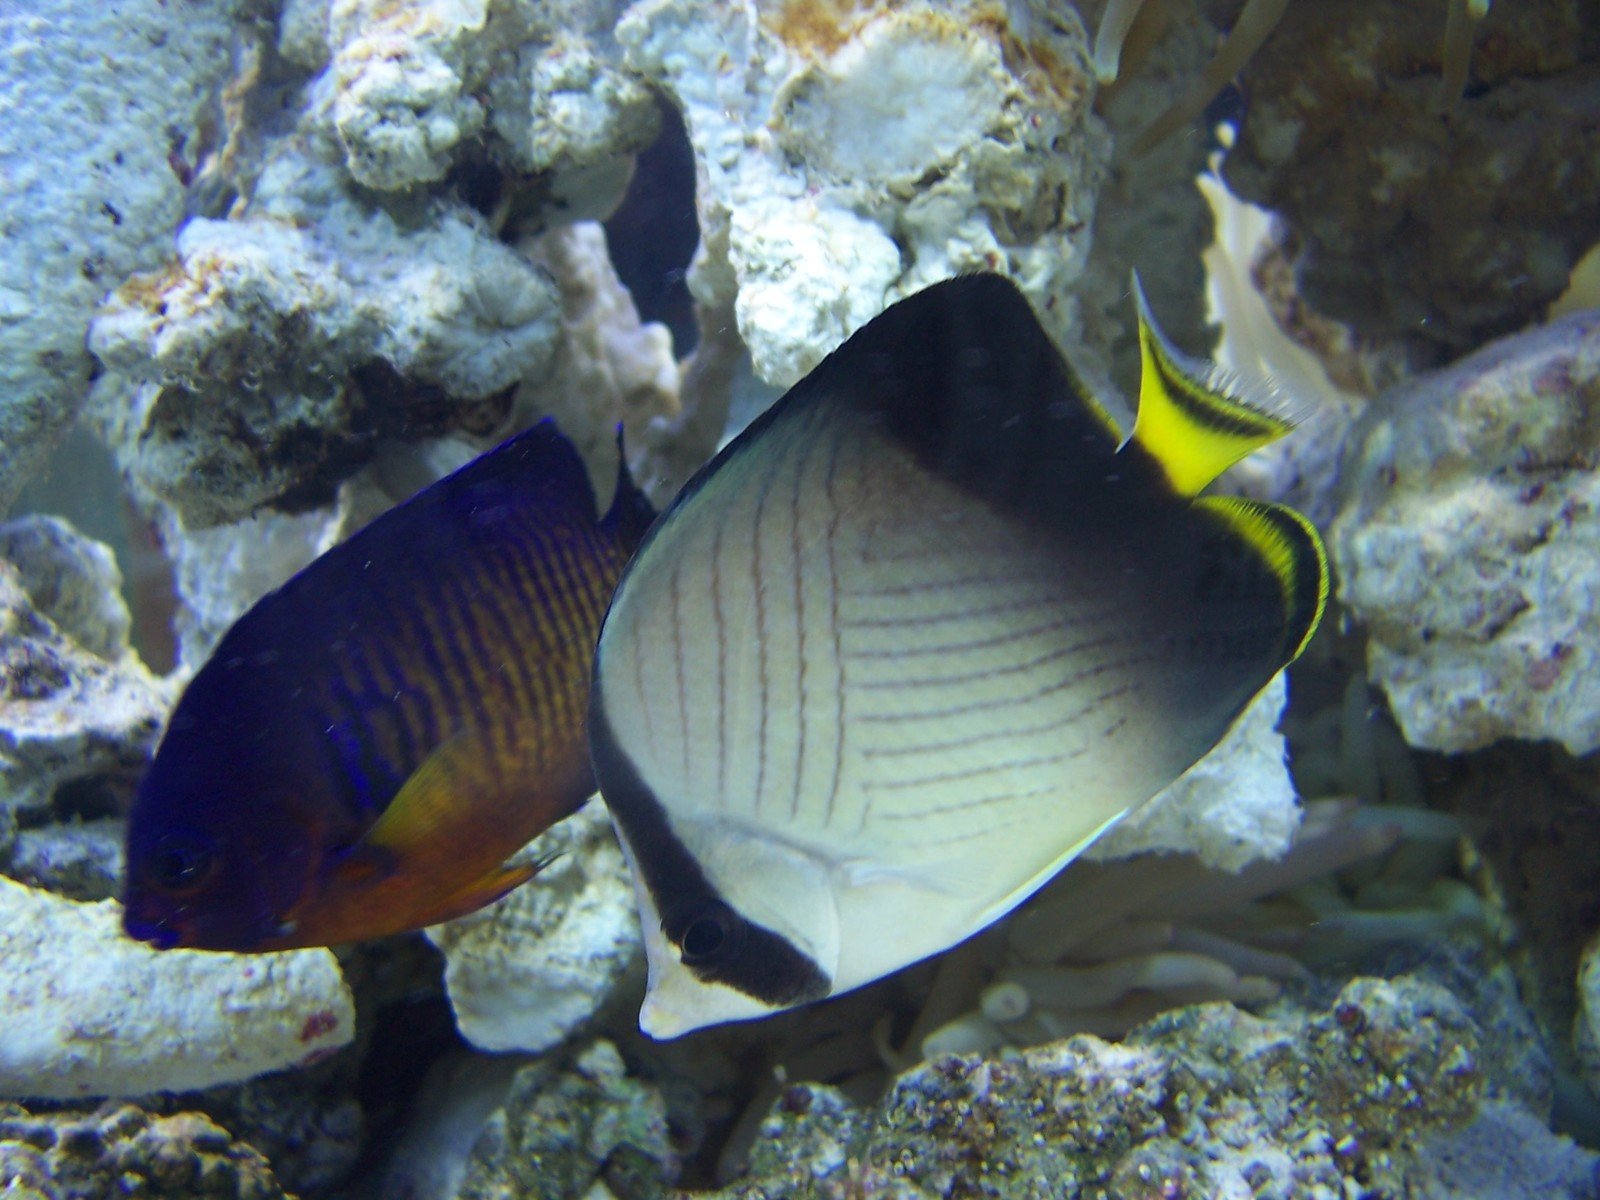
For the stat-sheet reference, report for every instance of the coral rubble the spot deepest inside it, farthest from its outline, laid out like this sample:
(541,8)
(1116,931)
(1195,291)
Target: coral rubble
(75,702)
(1205,1101)
(573,1126)
(410,325)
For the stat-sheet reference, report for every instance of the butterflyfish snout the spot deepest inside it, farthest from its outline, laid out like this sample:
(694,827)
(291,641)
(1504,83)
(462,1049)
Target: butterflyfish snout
(916,638)
(372,742)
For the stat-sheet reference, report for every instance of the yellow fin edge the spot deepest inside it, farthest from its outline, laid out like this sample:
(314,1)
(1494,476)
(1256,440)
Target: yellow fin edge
(1293,551)
(1195,430)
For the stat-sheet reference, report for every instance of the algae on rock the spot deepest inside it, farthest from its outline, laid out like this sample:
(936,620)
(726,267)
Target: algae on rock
(122,1150)
(574,1128)
(1203,1101)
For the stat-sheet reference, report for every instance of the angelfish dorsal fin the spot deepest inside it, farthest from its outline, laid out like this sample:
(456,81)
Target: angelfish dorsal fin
(1189,424)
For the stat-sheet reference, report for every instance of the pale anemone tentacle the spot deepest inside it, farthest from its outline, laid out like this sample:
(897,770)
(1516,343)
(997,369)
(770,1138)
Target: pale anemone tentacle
(1255,24)
(1459,26)
(1113,32)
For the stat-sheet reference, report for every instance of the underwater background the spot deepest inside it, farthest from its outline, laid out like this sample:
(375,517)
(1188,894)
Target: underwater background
(272,269)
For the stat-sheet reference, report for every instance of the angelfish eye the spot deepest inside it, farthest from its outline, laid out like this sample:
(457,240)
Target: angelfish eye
(709,934)
(181,862)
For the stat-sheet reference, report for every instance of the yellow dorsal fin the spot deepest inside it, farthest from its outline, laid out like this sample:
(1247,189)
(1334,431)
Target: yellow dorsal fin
(1187,421)
(1292,550)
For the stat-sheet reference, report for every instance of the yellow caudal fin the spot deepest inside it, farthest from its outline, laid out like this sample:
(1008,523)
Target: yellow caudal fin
(1190,420)
(1291,548)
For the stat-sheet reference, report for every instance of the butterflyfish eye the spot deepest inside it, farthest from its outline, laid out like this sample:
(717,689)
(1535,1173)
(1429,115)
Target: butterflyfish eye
(181,862)
(708,935)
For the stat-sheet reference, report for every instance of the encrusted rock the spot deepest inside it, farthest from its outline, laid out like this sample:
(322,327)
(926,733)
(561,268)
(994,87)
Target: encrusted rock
(1235,806)
(850,155)
(398,326)
(75,702)
(1444,226)
(582,1127)
(610,369)
(1467,539)
(1150,217)
(1586,1028)
(120,1150)
(92,1013)
(416,85)
(1205,1101)
(98,103)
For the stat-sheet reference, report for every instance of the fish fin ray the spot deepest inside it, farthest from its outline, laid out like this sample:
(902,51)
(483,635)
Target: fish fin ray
(1292,549)
(1194,418)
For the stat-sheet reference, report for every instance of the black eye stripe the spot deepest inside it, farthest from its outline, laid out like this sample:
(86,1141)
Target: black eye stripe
(755,960)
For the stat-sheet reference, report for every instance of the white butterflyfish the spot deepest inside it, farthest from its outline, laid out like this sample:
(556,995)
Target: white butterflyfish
(916,638)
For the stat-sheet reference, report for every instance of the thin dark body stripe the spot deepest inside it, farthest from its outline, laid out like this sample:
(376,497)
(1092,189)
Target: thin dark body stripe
(843,690)
(988,643)
(571,561)
(977,772)
(361,694)
(939,585)
(412,736)
(722,665)
(512,670)
(464,641)
(799,625)
(967,741)
(922,620)
(761,642)
(1037,660)
(962,710)
(980,802)
(645,706)
(677,658)
(412,627)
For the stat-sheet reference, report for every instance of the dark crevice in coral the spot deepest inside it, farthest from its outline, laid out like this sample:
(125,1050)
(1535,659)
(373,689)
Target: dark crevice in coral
(654,232)
(478,183)
(1537,806)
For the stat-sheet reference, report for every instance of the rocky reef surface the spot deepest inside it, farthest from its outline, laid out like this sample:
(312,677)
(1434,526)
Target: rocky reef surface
(292,262)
